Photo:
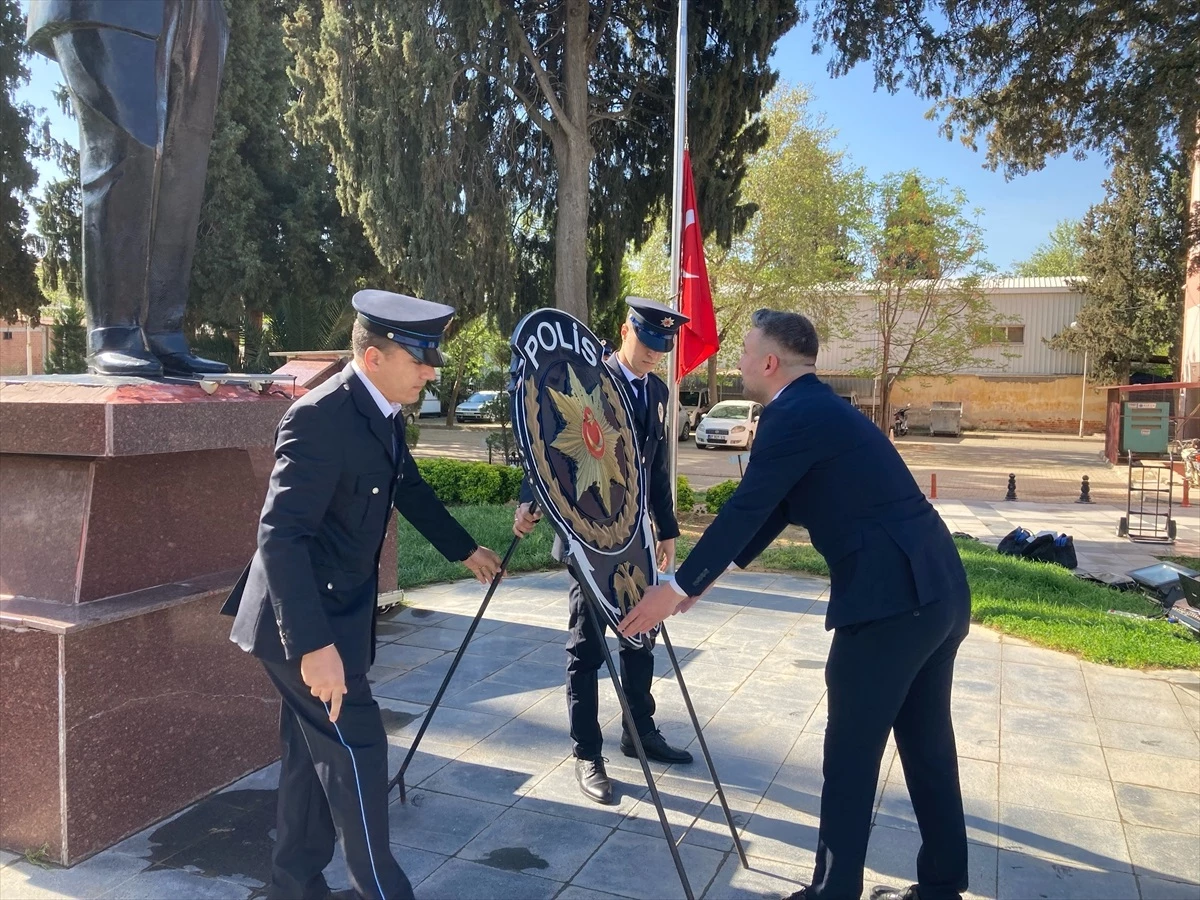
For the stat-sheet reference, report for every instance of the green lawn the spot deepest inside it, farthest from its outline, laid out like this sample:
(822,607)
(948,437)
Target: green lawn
(491,526)
(1042,603)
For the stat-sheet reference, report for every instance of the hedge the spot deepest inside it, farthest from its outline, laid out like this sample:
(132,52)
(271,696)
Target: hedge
(718,495)
(460,481)
(685,497)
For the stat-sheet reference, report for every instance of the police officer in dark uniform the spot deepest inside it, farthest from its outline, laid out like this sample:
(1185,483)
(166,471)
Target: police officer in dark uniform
(306,603)
(647,334)
(899,605)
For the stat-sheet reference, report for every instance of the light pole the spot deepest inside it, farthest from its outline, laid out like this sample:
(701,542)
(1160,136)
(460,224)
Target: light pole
(1083,388)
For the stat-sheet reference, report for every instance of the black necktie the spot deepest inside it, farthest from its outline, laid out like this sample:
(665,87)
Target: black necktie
(639,385)
(397,424)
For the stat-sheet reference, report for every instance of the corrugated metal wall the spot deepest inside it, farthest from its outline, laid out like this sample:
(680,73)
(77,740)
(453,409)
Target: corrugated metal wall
(1045,306)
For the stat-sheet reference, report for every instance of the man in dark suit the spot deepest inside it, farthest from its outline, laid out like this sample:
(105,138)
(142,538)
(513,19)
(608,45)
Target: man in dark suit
(306,603)
(899,605)
(144,76)
(648,333)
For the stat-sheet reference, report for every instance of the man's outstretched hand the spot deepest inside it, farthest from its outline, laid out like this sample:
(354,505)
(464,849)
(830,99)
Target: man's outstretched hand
(656,604)
(484,564)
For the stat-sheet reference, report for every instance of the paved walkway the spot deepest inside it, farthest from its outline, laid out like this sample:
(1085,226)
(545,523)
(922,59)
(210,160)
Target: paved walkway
(1093,527)
(1080,781)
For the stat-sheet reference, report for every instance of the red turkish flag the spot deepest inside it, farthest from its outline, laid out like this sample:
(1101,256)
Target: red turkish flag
(698,338)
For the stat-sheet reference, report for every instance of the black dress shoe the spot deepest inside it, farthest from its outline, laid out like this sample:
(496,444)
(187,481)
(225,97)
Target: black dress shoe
(116,362)
(593,780)
(883,892)
(656,748)
(177,359)
(801,894)
(120,350)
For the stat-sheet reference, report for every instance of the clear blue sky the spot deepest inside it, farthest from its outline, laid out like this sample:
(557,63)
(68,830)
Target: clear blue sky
(881,132)
(885,133)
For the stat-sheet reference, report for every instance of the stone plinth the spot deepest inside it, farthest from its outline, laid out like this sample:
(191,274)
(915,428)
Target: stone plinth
(127,510)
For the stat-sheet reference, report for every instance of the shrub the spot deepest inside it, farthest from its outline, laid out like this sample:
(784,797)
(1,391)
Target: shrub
(685,497)
(412,433)
(460,481)
(441,475)
(479,483)
(718,495)
(511,478)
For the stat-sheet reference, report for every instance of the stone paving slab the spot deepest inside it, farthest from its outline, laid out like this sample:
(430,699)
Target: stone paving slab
(1078,780)
(1094,528)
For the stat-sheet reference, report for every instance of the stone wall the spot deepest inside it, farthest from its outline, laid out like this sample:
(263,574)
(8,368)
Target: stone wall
(1006,403)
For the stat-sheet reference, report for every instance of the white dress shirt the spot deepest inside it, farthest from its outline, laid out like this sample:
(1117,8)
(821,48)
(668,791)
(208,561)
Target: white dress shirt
(387,408)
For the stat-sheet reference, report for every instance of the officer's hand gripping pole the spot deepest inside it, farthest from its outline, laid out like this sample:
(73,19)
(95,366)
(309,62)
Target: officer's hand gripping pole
(398,779)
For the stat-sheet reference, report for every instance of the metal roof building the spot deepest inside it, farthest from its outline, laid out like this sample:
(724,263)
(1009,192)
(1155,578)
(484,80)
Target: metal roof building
(1031,311)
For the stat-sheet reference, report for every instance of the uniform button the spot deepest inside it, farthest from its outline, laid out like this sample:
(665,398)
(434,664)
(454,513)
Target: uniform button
(375,490)
(329,586)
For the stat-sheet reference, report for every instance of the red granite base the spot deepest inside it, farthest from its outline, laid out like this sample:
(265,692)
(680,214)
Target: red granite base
(127,511)
(113,727)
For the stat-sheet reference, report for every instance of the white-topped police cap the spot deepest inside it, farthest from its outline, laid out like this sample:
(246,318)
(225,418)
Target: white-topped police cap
(416,325)
(655,324)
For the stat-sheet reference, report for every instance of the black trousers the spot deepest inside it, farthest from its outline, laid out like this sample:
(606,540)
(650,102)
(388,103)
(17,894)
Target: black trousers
(585,656)
(893,674)
(332,784)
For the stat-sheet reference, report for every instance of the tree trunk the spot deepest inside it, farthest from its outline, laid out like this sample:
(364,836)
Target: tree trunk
(712,379)
(570,232)
(885,390)
(573,159)
(452,399)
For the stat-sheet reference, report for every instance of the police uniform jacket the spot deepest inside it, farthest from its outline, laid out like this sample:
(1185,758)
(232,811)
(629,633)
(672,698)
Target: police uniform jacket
(313,580)
(821,464)
(651,435)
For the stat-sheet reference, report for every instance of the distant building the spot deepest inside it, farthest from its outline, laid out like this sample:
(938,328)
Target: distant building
(1027,387)
(23,350)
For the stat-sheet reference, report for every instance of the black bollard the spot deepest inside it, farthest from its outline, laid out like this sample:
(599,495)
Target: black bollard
(1012,487)
(1085,491)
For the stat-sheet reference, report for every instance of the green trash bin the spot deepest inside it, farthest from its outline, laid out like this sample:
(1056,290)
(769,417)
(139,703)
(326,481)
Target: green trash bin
(1144,427)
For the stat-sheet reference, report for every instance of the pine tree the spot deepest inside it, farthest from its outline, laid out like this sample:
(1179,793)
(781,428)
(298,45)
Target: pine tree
(471,138)
(19,289)
(1133,272)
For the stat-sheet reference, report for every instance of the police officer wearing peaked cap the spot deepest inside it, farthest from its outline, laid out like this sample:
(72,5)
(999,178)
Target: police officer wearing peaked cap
(649,331)
(306,604)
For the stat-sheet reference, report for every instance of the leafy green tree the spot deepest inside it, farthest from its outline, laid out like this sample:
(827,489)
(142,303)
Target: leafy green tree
(1134,269)
(807,199)
(927,308)
(19,288)
(1059,255)
(276,261)
(471,137)
(1038,79)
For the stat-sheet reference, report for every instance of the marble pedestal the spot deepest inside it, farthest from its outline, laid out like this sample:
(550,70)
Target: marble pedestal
(128,508)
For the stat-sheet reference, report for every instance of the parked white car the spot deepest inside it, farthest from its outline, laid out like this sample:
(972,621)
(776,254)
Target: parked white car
(430,406)
(471,409)
(731,423)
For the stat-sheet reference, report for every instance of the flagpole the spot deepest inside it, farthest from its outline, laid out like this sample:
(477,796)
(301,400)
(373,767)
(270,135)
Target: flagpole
(677,240)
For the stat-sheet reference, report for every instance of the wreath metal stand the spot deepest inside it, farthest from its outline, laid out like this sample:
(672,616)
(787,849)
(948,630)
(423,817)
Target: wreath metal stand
(631,729)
